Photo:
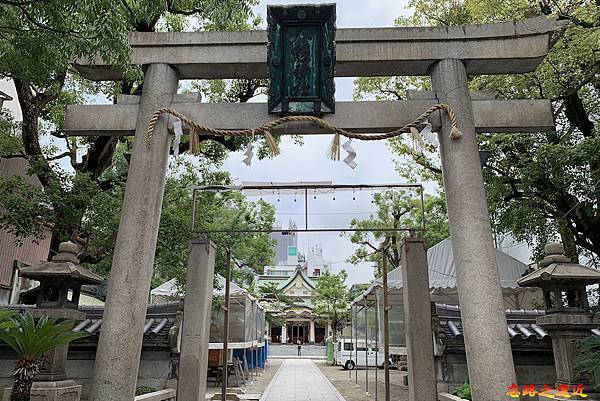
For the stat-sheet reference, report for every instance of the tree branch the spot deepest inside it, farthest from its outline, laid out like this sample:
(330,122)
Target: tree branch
(578,21)
(60,156)
(193,11)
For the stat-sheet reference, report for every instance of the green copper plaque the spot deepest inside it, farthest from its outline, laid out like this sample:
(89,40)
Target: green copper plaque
(301,59)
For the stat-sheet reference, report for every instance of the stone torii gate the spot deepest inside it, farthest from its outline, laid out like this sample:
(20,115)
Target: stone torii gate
(447,54)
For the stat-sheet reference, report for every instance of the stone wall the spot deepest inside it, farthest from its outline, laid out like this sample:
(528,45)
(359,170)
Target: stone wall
(533,366)
(155,367)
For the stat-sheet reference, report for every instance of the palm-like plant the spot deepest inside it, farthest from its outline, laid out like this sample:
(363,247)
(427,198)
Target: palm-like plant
(589,362)
(30,339)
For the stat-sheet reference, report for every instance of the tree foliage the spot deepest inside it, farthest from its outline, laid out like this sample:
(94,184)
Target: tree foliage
(589,363)
(398,209)
(229,210)
(330,299)
(83,178)
(541,185)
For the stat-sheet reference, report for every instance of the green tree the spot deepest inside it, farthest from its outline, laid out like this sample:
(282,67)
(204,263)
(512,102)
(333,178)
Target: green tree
(82,198)
(590,360)
(538,185)
(229,210)
(38,41)
(398,209)
(330,299)
(30,339)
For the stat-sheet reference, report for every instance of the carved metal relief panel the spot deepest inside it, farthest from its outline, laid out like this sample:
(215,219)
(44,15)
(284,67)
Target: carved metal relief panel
(301,59)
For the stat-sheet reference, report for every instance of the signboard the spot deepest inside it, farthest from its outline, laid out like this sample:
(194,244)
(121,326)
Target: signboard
(292,251)
(301,59)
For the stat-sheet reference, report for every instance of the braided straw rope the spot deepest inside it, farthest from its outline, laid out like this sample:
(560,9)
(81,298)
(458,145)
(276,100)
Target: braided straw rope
(266,128)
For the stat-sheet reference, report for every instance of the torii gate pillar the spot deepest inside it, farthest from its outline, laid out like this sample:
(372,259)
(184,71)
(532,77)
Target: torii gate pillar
(120,345)
(487,346)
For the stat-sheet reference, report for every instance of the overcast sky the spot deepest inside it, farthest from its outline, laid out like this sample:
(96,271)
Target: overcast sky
(309,162)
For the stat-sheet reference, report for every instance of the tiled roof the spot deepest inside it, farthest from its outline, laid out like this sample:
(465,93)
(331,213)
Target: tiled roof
(520,325)
(299,272)
(159,320)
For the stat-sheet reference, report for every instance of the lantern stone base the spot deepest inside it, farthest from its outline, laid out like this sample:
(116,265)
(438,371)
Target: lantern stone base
(65,390)
(567,331)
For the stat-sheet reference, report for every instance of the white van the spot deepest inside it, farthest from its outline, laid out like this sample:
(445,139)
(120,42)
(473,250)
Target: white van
(350,358)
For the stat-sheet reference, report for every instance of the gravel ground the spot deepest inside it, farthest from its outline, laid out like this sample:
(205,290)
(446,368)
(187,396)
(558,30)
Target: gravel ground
(347,386)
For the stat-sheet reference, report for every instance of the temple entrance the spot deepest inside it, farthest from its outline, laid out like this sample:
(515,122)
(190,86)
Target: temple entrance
(298,332)
(276,334)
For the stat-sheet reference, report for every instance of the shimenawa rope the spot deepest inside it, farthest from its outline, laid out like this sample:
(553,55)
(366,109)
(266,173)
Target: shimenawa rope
(265,129)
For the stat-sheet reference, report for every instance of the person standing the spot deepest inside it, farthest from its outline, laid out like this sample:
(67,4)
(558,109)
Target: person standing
(299,348)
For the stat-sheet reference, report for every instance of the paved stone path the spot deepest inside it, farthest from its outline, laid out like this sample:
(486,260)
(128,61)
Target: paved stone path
(300,380)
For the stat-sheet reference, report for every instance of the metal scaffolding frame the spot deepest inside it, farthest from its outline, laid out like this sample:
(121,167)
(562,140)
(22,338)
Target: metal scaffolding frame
(304,189)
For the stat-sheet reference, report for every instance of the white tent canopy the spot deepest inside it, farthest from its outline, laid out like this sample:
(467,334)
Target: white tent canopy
(171,290)
(442,271)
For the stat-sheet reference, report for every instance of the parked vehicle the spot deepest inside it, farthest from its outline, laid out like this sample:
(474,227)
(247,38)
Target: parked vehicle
(364,355)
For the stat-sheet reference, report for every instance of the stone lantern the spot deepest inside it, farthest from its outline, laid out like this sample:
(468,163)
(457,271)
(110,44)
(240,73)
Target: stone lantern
(58,298)
(567,319)
(60,283)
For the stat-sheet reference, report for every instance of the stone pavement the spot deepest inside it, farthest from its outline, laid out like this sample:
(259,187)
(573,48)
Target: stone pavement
(300,380)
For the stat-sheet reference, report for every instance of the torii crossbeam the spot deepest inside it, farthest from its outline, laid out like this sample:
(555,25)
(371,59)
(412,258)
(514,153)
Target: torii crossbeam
(447,54)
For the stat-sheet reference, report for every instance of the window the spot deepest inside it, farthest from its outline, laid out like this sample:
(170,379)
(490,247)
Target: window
(361,349)
(348,346)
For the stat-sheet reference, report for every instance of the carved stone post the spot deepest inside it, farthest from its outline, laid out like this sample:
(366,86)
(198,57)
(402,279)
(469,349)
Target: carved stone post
(193,360)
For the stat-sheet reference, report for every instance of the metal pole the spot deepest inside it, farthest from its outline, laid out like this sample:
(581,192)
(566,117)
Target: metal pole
(193,210)
(366,350)
(226,328)
(376,344)
(422,210)
(386,330)
(306,209)
(356,347)
(351,339)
